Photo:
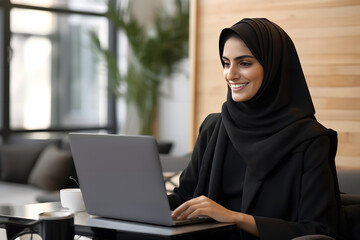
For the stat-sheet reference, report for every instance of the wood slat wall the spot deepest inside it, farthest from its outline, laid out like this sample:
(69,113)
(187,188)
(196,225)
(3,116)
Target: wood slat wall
(326,34)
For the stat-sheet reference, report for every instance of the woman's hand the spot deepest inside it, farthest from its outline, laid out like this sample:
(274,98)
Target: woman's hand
(204,206)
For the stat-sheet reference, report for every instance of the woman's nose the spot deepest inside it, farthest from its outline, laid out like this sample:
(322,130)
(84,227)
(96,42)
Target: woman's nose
(233,73)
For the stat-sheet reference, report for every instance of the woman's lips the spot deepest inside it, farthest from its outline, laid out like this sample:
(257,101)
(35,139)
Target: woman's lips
(238,86)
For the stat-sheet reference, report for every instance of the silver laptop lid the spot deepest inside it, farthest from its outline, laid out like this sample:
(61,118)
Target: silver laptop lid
(121,177)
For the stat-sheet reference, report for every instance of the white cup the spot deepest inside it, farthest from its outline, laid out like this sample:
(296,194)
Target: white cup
(71,198)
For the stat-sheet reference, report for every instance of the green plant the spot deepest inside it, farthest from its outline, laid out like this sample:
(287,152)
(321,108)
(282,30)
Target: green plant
(156,53)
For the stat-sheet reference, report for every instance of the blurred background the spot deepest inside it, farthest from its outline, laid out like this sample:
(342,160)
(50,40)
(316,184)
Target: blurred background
(55,82)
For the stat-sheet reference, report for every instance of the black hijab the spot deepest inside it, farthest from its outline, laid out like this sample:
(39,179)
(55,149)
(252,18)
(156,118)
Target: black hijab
(265,129)
(281,115)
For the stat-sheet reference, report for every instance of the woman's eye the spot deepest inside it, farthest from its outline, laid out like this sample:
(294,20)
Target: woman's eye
(226,65)
(245,64)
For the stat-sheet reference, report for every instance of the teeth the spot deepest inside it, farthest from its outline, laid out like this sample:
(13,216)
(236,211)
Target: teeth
(238,85)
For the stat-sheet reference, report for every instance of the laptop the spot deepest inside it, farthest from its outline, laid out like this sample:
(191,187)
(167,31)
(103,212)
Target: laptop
(120,177)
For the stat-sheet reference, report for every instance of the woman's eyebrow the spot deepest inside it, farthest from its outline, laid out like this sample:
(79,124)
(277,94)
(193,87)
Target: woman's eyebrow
(239,57)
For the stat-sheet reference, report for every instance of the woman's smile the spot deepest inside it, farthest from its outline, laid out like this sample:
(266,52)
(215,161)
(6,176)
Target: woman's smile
(237,86)
(242,71)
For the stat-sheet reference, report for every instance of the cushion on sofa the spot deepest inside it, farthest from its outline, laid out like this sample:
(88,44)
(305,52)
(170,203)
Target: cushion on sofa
(17,162)
(52,169)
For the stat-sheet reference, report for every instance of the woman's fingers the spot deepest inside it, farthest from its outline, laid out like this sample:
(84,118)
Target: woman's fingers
(192,208)
(183,207)
(203,206)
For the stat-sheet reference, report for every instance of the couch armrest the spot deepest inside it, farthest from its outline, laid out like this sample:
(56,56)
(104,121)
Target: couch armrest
(348,177)
(350,199)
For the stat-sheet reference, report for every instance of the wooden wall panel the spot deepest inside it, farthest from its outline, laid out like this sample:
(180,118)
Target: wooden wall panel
(326,34)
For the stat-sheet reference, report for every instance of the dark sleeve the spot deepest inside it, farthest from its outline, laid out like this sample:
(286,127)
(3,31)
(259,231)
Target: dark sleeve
(187,182)
(189,177)
(319,209)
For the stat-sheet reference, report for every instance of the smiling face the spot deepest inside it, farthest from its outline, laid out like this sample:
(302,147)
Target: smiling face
(242,71)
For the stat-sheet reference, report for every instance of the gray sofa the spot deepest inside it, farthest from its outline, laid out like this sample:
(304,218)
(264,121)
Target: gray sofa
(34,170)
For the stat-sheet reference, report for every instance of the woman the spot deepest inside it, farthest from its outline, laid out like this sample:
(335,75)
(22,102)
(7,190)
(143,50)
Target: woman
(264,162)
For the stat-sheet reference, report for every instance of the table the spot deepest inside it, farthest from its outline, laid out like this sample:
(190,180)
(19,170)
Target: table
(104,228)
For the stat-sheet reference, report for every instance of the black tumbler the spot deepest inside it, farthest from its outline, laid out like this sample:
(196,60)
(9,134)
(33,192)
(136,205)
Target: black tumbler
(56,225)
